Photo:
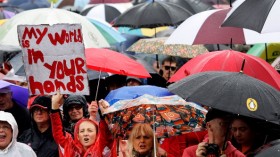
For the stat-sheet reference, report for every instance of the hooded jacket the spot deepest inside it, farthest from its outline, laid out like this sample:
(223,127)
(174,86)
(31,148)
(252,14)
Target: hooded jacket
(14,149)
(41,142)
(73,99)
(72,147)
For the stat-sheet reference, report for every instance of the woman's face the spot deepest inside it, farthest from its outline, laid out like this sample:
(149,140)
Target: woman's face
(143,143)
(242,132)
(87,134)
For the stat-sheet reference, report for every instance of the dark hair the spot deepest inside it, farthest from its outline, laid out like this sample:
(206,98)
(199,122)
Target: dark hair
(170,59)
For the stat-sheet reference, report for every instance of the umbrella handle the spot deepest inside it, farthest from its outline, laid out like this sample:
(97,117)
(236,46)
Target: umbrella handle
(154,128)
(97,88)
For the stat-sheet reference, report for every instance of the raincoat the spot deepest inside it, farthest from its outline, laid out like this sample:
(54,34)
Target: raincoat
(72,147)
(14,149)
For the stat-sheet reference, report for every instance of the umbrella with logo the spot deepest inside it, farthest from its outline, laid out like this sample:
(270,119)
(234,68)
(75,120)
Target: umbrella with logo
(157,46)
(260,16)
(91,36)
(205,28)
(233,92)
(171,115)
(232,61)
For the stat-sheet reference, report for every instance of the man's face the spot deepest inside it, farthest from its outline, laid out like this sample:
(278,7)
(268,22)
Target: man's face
(168,69)
(75,112)
(219,127)
(40,115)
(6,134)
(6,101)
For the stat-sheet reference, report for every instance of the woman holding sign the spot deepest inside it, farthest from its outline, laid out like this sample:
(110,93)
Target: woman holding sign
(88,139)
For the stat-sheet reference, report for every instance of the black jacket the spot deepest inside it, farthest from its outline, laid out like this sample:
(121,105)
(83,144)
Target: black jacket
(43,144)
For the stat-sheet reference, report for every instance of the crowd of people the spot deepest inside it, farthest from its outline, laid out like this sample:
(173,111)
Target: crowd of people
(73,126)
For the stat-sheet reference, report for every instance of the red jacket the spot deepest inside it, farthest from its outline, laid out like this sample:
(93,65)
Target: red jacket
(230,151)
(72,147)
(175,145)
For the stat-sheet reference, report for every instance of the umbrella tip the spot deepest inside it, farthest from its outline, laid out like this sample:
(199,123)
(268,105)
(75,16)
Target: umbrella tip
(242,67)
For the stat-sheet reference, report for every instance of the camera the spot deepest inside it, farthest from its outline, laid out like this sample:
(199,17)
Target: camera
(212,150)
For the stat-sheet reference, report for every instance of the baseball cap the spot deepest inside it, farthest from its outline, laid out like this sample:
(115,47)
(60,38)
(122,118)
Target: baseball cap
(42,102)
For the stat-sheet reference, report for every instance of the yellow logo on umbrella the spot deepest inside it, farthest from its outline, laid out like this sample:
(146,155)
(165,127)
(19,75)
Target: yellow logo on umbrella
(252,104)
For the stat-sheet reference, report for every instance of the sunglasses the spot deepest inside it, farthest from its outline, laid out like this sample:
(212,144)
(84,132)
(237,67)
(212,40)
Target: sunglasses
(170,68)
(76,107)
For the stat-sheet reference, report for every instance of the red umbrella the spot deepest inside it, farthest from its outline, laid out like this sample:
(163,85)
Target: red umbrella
(106,60)
(229,60)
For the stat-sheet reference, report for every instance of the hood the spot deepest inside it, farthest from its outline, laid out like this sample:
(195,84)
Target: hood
(8,117)
(78,145)
(74,99)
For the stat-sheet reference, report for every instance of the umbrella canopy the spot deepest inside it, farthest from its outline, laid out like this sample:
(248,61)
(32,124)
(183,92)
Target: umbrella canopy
(108,1)
(270,149)
(20,94)
(106,60)
(102,11)
(5,14)
(132,92)
(205,28)
(171,115)
(260,16)
(145,32)
(78,4)
(110,34)
(229,60)
(152,14)
(233,92)
(157,46)
(268,52)
(194,6)
(34,4)
(91,36)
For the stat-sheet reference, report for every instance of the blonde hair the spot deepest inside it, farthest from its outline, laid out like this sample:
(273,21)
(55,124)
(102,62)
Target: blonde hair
(140,129)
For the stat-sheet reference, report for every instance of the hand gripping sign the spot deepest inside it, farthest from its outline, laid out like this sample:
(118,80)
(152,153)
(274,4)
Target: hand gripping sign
(54,57)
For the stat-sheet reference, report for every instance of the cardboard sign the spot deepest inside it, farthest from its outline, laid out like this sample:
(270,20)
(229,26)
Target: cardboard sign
(54,57)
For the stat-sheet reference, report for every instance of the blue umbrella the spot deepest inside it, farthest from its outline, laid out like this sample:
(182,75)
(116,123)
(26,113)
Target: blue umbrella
(20,94)
(132,92)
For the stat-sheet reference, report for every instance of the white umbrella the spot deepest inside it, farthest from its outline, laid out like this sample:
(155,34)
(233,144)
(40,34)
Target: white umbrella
(91,36)
(205,28)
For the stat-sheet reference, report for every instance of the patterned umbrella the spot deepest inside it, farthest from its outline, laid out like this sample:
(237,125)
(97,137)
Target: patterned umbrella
(157,46)
(171,115)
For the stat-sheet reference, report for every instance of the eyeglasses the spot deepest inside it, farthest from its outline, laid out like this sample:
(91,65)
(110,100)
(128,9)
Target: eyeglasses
(38,109)
(170,68)
(76,107)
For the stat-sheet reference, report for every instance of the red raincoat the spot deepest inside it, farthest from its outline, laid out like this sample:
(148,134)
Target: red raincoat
(72,147)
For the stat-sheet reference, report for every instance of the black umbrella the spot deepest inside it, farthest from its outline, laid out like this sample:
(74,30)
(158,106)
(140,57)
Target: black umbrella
(272,149)
(152,14)
(194,6)
(233,92)
(257,15)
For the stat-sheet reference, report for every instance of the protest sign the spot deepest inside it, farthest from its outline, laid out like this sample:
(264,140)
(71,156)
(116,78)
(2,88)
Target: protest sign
(54,57)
